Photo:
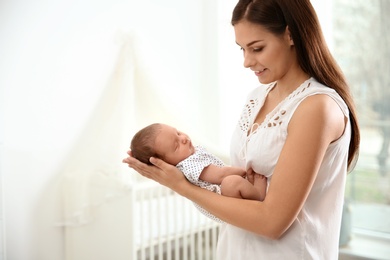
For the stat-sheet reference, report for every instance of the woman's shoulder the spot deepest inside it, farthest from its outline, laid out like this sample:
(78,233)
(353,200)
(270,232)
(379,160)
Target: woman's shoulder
(313,96)
(319,88)
(311,90)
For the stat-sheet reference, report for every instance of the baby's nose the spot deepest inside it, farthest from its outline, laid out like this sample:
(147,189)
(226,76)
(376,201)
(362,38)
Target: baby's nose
(185,139)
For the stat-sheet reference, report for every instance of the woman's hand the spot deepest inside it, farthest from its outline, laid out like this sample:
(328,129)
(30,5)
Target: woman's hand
(161,172)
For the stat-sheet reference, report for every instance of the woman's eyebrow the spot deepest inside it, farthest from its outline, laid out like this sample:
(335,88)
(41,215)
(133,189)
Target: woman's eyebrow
(251,43)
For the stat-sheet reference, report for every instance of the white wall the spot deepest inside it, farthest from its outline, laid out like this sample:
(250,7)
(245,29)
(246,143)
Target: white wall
(57,57)
(55,62)
(2,222)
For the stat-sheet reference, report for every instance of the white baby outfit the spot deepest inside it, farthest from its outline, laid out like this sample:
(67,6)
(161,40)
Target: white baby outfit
(315,232)
(193,166)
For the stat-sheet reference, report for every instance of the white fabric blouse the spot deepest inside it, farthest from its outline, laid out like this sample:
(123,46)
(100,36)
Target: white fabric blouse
(315,232)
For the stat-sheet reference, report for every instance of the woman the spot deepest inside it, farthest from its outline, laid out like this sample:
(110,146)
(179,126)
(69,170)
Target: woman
(298,128)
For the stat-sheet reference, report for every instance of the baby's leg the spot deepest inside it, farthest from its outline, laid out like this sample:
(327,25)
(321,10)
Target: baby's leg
(238,187)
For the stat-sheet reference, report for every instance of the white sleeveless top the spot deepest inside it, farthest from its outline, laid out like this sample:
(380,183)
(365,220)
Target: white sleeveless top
(315,232)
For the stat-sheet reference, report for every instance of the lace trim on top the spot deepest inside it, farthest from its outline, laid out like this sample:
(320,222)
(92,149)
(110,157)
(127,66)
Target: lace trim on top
(247,114)
(249,109)
(274,118)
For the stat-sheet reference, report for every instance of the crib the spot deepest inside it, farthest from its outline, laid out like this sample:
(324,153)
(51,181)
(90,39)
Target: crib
(169,227)
(150,222)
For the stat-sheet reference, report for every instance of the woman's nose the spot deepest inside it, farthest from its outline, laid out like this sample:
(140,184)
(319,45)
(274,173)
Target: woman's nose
(248,60)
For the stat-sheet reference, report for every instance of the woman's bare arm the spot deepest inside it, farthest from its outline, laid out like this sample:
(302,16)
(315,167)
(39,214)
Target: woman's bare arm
(316,123)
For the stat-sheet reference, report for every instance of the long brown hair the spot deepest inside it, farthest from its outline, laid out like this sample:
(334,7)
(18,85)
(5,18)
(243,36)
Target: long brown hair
(313,54)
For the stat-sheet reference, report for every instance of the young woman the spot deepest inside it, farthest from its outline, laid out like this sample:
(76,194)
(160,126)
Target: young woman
(301,121)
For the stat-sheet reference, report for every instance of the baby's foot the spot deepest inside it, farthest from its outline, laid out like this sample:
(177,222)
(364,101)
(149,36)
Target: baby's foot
(260,184)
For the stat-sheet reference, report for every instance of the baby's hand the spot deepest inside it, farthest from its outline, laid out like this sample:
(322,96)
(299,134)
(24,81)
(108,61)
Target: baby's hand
(250,175)
(260,184)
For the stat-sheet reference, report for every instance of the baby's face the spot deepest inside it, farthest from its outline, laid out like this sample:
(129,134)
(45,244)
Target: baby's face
(173,145)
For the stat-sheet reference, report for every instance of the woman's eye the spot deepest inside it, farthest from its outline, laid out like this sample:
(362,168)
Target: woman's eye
(257,49)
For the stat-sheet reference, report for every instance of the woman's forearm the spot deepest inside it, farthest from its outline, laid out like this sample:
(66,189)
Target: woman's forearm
(257,217)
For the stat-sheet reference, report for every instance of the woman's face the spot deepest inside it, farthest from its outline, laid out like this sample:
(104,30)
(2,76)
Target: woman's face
(270,56)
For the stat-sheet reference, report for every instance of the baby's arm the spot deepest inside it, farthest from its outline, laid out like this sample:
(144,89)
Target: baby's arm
(215,174)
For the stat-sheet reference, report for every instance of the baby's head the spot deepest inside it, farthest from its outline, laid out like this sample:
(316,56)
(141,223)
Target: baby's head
(143,143)
(161,141)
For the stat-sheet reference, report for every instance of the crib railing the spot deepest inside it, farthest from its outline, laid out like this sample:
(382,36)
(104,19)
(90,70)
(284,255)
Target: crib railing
(169,227)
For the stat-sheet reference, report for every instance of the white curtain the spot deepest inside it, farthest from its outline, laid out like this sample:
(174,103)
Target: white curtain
(88,201)
(93,173)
